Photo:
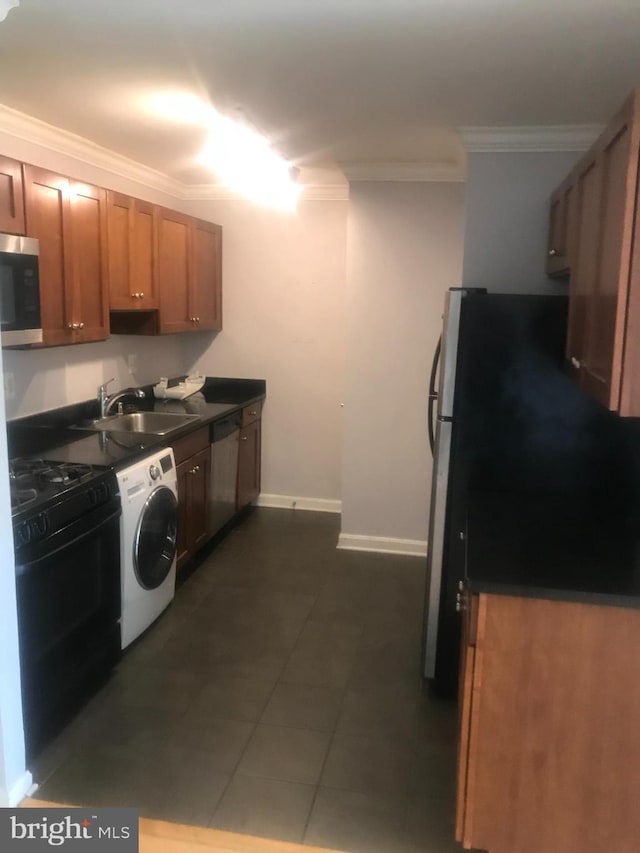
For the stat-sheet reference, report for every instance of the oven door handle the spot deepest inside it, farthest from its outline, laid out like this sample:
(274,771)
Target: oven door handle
(31,564)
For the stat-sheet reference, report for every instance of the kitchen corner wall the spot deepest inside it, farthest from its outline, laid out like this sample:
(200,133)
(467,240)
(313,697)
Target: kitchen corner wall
(283,321)
(404,249)
(507,216)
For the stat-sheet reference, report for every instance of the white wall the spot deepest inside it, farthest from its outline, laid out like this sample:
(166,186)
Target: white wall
(404,249)
(283,315)
(507,216)
(45,379)
(14,780)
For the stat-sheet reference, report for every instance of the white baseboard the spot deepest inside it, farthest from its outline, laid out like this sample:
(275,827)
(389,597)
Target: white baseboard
(292,502)
(383,545)
(17,792)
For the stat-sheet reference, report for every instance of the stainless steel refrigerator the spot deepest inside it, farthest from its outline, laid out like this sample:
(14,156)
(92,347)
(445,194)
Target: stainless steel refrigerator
(505,419)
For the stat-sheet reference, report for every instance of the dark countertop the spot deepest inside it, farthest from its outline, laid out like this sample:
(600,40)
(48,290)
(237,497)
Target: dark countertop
(553,546)
(51,435)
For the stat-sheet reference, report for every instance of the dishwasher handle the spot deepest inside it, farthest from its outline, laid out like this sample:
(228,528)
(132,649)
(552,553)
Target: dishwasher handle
(225,426)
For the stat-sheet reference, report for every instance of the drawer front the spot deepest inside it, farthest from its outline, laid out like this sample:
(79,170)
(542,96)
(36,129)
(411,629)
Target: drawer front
(185,447)
(251,413)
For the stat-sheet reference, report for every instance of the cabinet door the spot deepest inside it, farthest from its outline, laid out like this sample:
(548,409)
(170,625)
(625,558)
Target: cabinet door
(206,279)
(131,241)
(560,247)
(249,464)
(464,804)
(193,504)
(602,372)
(183,475)
(119,237)
(47,219)
(599,319)
(11,197)
(199,499)
(88,253)
(173,250)
(142,274)
(583,281)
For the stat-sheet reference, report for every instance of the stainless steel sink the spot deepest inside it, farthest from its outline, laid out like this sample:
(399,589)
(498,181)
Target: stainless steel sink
(156,423)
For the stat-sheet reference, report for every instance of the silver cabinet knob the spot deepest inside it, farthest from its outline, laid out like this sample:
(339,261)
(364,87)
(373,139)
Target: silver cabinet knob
(553,253)
(253,413)
(244,437)
(141,295)
(73,326)
(575,362)
(81,325)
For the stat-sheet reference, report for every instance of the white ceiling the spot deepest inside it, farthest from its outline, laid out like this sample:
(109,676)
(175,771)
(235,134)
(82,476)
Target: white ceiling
(332,82)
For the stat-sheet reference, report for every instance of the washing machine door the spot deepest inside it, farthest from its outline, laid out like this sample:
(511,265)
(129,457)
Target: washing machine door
(154,545)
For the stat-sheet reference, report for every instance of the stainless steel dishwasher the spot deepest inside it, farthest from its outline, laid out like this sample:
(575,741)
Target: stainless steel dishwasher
(225,441)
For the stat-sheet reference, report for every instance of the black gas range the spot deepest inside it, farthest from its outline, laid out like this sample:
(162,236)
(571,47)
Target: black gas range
(66,530)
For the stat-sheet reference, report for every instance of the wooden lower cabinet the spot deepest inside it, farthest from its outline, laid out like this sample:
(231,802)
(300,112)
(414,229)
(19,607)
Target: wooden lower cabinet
(549,727)
(249,454)
(193,471)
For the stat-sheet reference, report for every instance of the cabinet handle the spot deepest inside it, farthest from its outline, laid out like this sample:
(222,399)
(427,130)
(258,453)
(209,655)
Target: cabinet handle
(197,319)
(244,437)
(81,325)
(253,413)
(74,326)
(193,319)
(141,295)
(574,362)
(553,253)
(461,603)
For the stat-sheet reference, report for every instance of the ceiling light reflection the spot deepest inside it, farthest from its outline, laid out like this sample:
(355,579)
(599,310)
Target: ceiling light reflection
(241,157)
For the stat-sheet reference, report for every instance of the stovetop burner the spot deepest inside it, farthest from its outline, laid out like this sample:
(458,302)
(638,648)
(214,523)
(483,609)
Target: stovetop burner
(37,481)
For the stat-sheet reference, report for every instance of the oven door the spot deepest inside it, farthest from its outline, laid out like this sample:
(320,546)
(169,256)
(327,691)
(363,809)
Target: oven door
(68,598)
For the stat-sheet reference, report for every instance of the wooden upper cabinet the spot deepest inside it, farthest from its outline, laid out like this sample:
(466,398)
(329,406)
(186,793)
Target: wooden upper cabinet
(11,197)
(603,341)
(562,230)
(206,275)
(131,253)
(174,262)
(69,220)
(189,253)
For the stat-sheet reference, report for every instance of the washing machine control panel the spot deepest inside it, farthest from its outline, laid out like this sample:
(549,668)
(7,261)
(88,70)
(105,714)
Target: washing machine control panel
(154,472)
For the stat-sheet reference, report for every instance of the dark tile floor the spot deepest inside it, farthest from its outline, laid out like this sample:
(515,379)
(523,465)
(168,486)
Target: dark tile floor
(279,696)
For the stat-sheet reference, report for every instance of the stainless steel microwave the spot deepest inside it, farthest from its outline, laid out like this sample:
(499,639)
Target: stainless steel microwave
(20,322)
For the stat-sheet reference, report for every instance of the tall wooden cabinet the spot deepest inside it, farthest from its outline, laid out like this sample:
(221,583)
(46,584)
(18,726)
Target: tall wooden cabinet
(69,219)
(549,745)
(11,197)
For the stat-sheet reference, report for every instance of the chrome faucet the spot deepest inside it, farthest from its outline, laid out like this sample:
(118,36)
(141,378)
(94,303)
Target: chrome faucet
(107,401)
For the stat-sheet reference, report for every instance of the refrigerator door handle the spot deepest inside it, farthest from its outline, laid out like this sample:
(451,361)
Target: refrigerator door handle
(436,541)
(433,394)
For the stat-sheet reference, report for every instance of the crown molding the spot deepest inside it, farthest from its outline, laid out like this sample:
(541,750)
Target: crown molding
(30,129)
(218,192)
(445,171)
(570,137)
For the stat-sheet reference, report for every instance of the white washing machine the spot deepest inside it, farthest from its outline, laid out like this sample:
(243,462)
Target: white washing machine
(148,527)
